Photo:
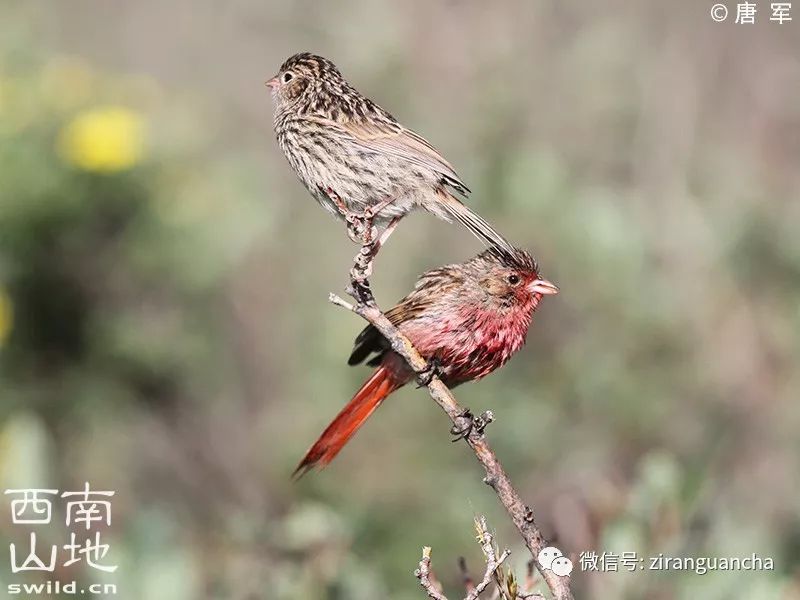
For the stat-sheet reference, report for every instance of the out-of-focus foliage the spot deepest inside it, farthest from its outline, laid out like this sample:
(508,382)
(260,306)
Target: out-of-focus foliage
(164,330)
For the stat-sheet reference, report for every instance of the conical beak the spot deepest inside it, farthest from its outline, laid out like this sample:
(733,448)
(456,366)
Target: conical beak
(272,83)
(542,286)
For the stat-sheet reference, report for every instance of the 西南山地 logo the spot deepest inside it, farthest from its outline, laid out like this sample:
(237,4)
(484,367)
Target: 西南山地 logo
(58,529)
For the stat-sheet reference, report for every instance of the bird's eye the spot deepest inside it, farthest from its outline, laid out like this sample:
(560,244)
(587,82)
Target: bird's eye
(513,279)
(287,77)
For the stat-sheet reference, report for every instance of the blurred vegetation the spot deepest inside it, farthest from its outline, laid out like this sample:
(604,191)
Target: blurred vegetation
(164,331)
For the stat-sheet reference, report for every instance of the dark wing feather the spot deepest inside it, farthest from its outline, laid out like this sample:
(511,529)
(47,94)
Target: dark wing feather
(367,342)
(371,341)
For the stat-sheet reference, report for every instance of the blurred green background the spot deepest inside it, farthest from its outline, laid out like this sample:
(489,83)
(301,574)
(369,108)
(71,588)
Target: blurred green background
(164,329)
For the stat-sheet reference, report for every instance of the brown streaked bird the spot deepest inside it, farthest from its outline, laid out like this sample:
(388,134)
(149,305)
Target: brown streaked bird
(356,159)
(467,319)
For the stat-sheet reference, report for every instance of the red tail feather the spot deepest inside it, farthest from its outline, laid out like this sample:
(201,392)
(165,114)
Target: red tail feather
(382,383)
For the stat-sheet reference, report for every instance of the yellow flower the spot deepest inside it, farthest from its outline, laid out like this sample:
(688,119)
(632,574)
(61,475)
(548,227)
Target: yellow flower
(106,139)
(6,316)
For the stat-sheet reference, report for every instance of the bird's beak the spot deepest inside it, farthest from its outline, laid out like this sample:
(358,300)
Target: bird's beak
(272,83)
(542,286)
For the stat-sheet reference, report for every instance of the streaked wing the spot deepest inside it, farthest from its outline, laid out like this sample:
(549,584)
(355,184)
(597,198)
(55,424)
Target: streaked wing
(391,138)
(430,286)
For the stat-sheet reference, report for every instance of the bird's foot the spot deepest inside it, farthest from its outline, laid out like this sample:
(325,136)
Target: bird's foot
(375,209)
(360,228)
(477,424)
(368,214)
(431,370)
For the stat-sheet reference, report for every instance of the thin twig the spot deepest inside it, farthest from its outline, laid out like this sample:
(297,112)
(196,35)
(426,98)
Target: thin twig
(423,573)
(496,477)
(492,561)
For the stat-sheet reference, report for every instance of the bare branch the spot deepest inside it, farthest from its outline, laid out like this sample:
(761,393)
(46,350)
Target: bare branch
(496,477)
(492,562)
(334,299)
(423,573)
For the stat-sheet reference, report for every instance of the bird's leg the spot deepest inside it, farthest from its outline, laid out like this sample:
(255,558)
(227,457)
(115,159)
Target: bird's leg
(361,226)
(432,369)
(386,233)
(361,230)
(337,202)
(371,211)
(477,424)
(358,228)
(362,264)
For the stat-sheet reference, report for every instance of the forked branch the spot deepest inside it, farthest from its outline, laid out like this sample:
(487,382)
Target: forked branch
(493,563)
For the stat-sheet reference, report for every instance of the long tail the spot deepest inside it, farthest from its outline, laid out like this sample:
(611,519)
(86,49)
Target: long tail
(382,383)
(479,227)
